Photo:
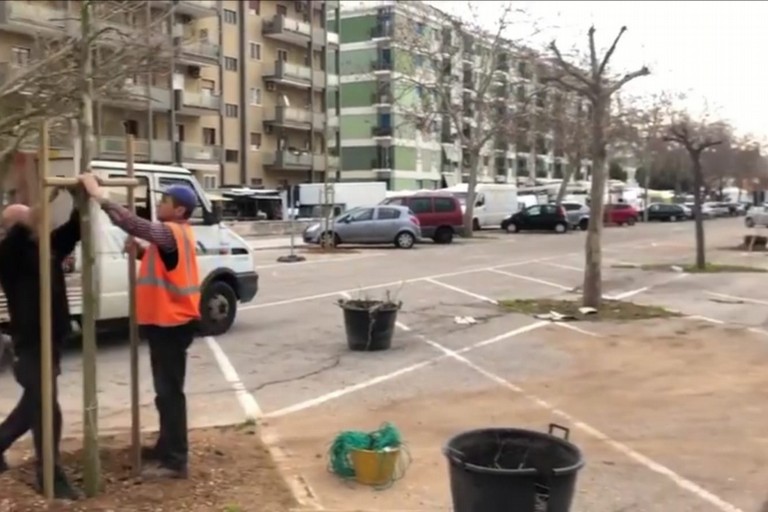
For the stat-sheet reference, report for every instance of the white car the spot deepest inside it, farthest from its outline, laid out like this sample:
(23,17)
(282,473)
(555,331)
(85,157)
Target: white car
(707,211)
(756,216)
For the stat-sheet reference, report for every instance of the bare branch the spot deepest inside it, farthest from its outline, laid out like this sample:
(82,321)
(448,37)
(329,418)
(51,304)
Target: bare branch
(644,71)
(593,54)
(610,52)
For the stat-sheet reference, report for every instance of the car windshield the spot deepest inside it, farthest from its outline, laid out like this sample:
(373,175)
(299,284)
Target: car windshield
(348,213)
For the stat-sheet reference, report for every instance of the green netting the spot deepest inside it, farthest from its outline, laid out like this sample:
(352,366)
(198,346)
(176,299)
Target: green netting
(340,462)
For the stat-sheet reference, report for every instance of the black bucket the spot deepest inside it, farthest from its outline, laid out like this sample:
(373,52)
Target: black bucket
(370,325)
(508,469)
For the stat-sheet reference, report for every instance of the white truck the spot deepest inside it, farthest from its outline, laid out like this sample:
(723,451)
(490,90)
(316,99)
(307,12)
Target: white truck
(227,271)
(494,202)
(314,199)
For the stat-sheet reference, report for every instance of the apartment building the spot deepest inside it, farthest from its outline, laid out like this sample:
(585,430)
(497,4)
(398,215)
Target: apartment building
(376,141)
(246,99)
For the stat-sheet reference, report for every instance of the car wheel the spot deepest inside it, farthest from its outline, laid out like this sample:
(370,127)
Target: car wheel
(750,223)
(512,228)
(476,225)
(218,306)
(583,224)
(631,221)
(329,239)
(561,228)
(443,236)
(404,240)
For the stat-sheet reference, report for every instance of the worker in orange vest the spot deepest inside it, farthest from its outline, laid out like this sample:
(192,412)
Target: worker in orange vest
(167,311)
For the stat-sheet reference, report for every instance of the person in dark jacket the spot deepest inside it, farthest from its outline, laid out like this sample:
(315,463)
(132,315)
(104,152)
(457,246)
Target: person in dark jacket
(20,281)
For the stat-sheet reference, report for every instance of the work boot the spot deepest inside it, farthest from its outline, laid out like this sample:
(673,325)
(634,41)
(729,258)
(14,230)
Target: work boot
(162,472)
(62,489)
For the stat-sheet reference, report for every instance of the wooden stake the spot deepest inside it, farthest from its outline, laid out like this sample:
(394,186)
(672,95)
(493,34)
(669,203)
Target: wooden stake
(46,350)
(133,326)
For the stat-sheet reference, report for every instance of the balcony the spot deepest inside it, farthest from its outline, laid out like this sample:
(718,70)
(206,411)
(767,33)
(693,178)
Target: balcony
(295,118)
(197,104)
(199,53)
(381,98)
(381,131)
(196,153)
(194,8)
(114,148)
(296,161)
(32,17)
(381,66)
(381,31)
(296,32)
(138,96)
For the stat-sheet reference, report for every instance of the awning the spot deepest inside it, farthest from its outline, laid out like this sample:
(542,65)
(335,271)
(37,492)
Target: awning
(450,178)
(452,153)
(216,197)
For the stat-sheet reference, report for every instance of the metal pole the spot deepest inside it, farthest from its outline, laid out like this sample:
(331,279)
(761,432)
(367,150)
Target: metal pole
(46,355)
(132,326)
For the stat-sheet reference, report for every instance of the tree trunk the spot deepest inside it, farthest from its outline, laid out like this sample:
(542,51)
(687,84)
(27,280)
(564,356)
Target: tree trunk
(85,119)
(698,179)
(592,289)
(569,171)
(469,208)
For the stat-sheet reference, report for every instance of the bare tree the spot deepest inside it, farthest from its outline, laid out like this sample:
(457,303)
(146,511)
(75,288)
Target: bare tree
(696,138)
(100,47)
(458,84)
(598,86)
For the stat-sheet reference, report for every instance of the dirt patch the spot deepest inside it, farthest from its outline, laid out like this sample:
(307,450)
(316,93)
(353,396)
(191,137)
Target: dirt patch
(690,268)
(230,471)
(611,310)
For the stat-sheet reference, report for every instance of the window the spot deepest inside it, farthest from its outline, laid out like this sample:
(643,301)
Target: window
(361,215)
(388,214)
(420,205)
(20,56)
(444,205)
(232,155)
(255,96)
(131,127)
(207,86)
(203,35)
(209,182)
(167,182)
(230,63)
(571,207)
(255,51)
(282,10)
(254,7)
(231,110)
(255,141)
(209,136)
(282,55)
(230,17)
(533,210)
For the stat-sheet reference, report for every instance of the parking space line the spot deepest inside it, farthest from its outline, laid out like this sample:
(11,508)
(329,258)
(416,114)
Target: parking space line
(247,400)
(314,402)
(648,463)
(481,298)
(531,279)
(734,297)
(565,267)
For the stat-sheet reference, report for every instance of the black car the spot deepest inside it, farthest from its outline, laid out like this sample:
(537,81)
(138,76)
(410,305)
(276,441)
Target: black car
(539,217)
(668,212)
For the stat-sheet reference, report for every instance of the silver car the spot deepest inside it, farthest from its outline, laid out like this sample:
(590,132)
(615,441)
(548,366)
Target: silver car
(386,224)
(756,216)
(577,214)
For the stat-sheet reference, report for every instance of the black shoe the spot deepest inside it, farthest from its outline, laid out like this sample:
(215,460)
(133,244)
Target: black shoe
(3,464)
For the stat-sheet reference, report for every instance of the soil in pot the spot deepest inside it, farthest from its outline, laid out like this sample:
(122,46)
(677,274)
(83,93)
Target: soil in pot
(369,324)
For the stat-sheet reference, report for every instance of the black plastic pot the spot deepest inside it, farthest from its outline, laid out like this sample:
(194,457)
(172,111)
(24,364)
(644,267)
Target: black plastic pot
(369,324)
(507,469)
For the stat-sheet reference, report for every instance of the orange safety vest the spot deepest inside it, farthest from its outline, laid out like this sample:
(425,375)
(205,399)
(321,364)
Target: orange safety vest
(166,298)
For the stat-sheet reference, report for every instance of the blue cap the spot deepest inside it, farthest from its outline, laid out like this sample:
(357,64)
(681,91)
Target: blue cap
(183,195)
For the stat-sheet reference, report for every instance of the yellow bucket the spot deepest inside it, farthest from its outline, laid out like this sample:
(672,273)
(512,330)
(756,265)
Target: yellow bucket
(374,467)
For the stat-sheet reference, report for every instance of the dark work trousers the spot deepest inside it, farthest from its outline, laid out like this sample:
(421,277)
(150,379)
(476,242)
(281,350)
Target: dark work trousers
(28,415)
(168,357)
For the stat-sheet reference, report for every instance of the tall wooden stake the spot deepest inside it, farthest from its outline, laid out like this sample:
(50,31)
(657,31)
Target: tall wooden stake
(133,326)
(46,355)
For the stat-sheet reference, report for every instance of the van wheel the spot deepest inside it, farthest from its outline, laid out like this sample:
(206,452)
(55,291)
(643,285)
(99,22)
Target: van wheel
(443,235)
(218,306)
(476,225)
(404,240)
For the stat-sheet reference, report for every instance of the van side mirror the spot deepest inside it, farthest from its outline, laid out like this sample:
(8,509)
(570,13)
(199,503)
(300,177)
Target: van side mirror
(211,218)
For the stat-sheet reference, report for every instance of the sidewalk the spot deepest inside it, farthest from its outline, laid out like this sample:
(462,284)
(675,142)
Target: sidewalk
(265,243)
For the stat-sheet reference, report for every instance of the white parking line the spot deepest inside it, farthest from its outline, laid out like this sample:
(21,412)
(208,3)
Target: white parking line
(531,279)
(247,401)
(481,298)
(566,267)
(314,402)
(648,463)
(734,297)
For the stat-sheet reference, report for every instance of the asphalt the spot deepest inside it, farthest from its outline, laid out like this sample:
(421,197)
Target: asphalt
(286,354)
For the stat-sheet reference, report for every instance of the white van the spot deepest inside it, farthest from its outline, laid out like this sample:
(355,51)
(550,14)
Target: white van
(494,202)
(227,271)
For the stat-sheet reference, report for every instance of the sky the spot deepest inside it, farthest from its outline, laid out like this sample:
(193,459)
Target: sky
(711,51)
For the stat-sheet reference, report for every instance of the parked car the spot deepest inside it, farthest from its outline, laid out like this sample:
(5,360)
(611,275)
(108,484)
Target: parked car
(440,215)
(756,216)
(621,214)
(717,209)
(539,217)
(668,212)
(577,214)
(369,225)
(735,208)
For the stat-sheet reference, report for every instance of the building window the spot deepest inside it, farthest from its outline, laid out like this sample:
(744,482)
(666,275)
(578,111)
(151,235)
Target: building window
(282,10)
(209,136)
(282,55)
(255,141)
(230,110)
(257,182)
(203,35)
(255,96)
(230,17)
(230,63)
(20,55)
(254,7)
(209,182)
(256,51)
(232,155)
